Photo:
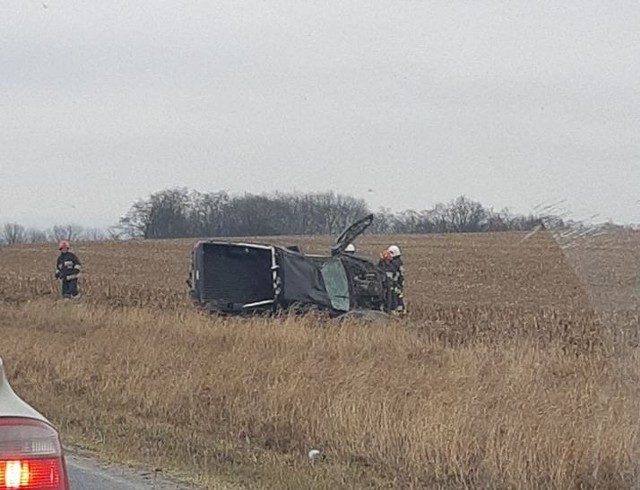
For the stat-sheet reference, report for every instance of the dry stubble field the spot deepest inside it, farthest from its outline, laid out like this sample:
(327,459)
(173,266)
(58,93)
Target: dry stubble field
(502,376)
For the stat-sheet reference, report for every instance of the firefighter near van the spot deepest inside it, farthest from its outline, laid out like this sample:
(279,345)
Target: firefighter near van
(391,263)
(68,270)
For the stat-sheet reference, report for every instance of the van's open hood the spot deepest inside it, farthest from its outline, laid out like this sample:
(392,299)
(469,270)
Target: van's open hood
(350,234)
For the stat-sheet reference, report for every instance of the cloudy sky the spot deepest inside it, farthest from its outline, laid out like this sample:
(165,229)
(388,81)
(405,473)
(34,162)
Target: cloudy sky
(405,103)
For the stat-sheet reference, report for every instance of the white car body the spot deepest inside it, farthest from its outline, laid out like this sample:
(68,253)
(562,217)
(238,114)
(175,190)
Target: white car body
(31,455)
(11,405)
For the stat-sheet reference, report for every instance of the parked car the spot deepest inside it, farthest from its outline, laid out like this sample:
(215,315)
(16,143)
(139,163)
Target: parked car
(239,278)
(31,456)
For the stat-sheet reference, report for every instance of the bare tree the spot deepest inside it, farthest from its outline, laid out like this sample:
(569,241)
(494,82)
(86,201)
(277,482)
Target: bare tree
(383,221)
(164,214)
(465,215)
(66,232)
(116,233)
(35,235)
(13,233)
(93,235)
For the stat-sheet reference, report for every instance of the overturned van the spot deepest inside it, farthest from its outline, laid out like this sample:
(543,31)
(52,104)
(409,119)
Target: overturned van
(243,278)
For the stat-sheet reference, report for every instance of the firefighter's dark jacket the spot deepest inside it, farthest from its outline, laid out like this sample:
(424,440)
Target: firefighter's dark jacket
(68,266)
(397,267)
(395,272)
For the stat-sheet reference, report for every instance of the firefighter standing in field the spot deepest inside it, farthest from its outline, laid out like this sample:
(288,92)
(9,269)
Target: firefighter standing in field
(67,270)
(391,263)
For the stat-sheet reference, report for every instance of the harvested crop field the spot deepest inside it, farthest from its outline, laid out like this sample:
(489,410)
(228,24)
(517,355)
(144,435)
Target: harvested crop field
(517,367)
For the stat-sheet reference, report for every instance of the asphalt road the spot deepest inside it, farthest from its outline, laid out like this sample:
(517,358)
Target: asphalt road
(85,474)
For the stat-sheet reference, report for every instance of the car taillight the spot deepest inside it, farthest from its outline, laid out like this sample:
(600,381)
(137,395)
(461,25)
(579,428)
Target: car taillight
(30,456)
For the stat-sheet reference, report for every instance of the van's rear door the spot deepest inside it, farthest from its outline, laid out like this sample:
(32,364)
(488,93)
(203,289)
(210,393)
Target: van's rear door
(236,276)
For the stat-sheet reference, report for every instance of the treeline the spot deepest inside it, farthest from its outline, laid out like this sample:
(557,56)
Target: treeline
(184,213)
(15,233)
(177,213)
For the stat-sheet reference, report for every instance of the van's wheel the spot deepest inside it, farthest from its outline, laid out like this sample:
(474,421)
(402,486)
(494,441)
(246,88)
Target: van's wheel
(365,315)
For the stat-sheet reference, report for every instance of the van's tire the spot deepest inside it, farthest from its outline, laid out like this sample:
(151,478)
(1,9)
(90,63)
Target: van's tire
(366,315)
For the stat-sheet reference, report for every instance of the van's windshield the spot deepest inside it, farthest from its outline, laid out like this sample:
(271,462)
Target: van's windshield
(336,283)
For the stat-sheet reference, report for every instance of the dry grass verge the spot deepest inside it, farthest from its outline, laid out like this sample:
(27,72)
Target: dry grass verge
(390,407)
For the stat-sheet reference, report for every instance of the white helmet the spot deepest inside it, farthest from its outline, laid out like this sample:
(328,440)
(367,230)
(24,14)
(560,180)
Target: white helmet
(394,250)
(351,248)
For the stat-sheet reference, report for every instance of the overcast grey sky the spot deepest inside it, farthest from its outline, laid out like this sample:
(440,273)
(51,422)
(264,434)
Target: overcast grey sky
(404,103)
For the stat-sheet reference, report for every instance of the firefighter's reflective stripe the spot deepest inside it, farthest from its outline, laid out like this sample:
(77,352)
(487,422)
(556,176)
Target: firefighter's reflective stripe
(69,278)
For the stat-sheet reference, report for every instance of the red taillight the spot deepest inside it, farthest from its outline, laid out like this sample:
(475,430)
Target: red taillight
(31,473)
(30,456)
